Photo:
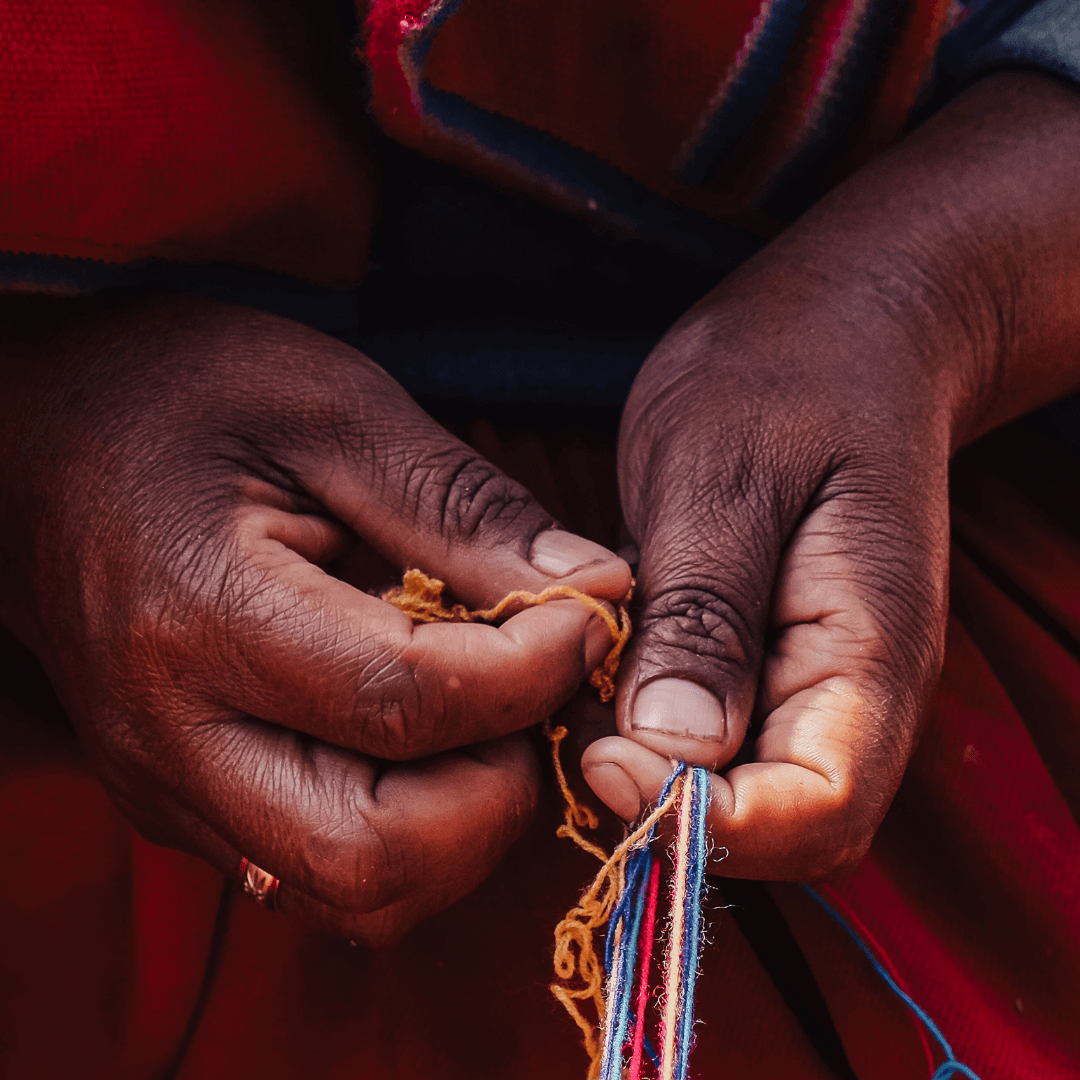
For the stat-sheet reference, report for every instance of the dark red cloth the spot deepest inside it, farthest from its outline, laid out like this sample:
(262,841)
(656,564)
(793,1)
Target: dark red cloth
(195,130)
(109,952)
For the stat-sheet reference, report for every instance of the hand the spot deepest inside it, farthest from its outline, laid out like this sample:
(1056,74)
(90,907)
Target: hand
(176,475)
(783,467)
(788,491)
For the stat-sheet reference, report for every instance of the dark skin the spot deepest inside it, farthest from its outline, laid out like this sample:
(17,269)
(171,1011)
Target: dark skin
(175,473)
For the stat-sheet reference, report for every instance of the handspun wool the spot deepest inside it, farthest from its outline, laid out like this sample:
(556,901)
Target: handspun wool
(624,896)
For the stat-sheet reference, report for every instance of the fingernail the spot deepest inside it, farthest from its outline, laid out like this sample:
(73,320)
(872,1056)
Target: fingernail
(679,708)
(612,785)
(557,553)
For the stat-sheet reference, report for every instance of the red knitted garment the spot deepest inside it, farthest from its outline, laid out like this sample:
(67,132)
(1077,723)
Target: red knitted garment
(185,129)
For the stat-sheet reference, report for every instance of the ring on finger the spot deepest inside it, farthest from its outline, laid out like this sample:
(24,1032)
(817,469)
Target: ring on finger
(259,884)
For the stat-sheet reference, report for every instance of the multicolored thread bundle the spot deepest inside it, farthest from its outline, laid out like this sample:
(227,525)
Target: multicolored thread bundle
(624,896)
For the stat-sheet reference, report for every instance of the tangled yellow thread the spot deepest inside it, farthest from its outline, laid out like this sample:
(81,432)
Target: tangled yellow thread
(421,598)
(575,951)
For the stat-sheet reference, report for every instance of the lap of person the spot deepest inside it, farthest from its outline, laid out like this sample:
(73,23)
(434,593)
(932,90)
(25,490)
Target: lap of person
(121,959)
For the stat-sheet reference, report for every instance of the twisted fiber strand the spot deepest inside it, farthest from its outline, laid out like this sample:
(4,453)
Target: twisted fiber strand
(621,958)
(421,598)
(645,946)
(673,961)
(630,963)
(694,889)
(575,815)
(628,888)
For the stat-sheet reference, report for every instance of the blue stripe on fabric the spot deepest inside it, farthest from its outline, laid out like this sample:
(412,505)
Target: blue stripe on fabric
(800,181)
(950,1066)
(647,214)
(751,91)
(322,307)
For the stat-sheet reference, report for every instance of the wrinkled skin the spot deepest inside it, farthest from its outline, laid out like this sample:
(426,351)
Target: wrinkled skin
(783,463)
(185,468)
(177,476)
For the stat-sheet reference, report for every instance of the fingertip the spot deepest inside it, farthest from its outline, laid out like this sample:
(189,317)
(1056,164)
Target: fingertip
(558,554)
(565,620)
(625,776)
(683,720)
(598,642)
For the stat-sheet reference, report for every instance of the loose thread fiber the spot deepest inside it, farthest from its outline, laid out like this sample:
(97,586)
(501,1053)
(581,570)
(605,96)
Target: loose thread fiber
(627,885)
(628,880)
(421,598)
(951,1066)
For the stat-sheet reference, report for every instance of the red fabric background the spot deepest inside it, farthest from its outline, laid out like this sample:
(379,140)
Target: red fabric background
(187,129)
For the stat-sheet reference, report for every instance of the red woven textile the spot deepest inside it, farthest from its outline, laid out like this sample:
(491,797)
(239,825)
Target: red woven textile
(185,129)
(641,87)
(109,955)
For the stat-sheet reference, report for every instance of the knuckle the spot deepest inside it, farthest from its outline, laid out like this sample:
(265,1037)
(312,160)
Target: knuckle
(401,713)
(471,499)
(699,620)
(388,719)
(352,865)
(842,847)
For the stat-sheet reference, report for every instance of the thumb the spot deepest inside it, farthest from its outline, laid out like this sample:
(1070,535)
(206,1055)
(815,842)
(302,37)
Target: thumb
(688,682)
(417,494)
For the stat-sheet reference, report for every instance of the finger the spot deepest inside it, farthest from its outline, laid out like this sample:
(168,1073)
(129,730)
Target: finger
(416,493)
(288,643)
(797,813)
(857,647)
(710,535)
(346,836)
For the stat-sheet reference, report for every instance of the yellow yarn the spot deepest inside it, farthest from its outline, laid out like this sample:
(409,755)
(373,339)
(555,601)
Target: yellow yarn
(421,598)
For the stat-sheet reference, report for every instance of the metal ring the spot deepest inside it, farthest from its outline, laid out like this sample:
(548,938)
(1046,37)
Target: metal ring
(261,886)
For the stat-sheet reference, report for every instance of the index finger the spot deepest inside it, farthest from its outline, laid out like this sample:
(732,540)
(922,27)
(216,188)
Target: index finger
(290,644)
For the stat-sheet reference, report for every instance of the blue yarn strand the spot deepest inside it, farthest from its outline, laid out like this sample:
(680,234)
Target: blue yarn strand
(628,961)
(620,962)
(635,866)
(699,806)
(950,1066)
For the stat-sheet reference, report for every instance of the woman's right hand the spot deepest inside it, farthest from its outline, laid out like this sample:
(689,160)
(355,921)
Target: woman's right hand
(175,473)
